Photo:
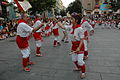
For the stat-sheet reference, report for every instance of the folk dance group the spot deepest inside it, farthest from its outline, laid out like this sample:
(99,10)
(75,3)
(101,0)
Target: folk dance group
(105,24)
(80,30)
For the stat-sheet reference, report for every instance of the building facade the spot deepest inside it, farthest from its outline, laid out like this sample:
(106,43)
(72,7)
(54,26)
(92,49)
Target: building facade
(88,5)
(59,5)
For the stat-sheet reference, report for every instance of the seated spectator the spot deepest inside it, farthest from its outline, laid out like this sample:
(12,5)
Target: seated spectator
(2,32)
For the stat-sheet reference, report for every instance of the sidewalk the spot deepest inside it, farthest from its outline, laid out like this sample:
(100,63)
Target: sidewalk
(103,62)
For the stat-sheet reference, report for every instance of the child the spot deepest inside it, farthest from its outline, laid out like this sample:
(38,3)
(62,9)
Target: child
(55,30)
(78,45)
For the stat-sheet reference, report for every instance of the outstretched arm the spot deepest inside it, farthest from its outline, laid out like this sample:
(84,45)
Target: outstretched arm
(60,25)
(37,28)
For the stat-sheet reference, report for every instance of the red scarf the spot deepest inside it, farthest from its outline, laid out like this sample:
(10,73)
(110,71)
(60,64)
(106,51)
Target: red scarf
(54,23)
(83,21)
(21,20)
(74,27)
(78,25)
(36,20)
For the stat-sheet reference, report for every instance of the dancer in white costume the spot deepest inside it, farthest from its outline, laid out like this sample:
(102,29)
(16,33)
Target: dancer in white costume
(23,31)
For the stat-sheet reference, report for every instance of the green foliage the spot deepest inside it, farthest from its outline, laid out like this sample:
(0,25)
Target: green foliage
(42,5)
(62,13)
(115,5)
(75,6)
(118,4)
(3,0)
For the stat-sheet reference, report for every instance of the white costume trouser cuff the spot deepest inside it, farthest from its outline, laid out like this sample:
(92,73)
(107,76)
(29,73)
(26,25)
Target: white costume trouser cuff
(56,38)
(79,58)
(85,45)
(38,43)
(25,52)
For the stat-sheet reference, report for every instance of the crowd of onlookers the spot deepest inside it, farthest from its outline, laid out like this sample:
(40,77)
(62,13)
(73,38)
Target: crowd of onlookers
(7,29)
(106,20)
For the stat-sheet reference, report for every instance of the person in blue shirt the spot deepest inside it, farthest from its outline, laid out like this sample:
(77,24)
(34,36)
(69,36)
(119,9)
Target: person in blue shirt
(1,28)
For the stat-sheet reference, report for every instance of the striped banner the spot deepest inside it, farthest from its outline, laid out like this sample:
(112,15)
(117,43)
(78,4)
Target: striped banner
(23,5)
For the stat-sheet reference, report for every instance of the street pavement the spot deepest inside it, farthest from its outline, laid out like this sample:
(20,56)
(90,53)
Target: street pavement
(56,63)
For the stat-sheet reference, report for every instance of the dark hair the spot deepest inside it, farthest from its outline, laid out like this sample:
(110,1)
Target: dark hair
(45,20)
(23,15)
(37,16)
(77,17)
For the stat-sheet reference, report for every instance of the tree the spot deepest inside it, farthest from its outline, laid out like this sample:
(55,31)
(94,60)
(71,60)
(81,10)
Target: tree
(62,13)
(118,4)
(75,6)
(41,5)
(115,5)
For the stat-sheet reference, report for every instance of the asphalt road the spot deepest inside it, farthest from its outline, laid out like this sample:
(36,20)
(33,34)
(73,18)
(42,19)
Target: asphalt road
(56,64)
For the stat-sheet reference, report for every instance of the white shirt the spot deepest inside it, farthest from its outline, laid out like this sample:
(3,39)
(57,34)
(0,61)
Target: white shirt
(24,30)
(86,26)
(56,26)
(119,25)
(45,24)
(93,22)
(78,34)
(37,23)
(51,24)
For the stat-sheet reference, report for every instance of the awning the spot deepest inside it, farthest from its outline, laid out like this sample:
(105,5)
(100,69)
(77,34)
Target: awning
(1,18)
(104,7)
(96,10)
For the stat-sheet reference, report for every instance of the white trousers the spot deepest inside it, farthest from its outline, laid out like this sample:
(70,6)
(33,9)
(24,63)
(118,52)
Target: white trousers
(79,58)
(38,43)
(25,52)
(85,45)
(56,38)
(47,31)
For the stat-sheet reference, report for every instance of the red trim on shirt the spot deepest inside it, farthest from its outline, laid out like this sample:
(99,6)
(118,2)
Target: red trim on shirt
(36,20)
(21,20)
(74,27)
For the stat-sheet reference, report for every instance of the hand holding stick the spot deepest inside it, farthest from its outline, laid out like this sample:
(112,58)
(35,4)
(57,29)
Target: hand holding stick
(79,47)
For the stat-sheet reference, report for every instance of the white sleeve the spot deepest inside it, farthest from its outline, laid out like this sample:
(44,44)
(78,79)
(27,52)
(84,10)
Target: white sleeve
(26,28)
(118,25)
(36,24)
(79,33)
(76,34)
(60,24)
(88,26)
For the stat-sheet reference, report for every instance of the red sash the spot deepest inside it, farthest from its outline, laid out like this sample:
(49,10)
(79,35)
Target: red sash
(22,42)
(37,35)
(75,45)
(93,25)
(47,27)
(56,32)
(86,33)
